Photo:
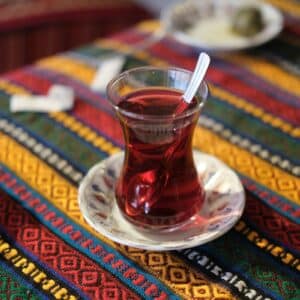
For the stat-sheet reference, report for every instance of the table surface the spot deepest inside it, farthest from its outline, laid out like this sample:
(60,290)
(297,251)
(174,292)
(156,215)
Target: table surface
(251,122)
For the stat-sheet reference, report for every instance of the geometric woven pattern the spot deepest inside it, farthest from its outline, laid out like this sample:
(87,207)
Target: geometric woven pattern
(249,165)
(188,282)
(250,122)
(11,288)
(280,228)
(75,267)
(63,195)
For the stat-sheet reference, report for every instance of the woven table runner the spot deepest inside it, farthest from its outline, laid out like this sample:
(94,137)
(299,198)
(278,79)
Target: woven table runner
(251,122)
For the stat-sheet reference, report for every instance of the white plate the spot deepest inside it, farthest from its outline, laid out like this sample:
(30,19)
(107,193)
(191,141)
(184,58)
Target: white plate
(223,206)
(212,21)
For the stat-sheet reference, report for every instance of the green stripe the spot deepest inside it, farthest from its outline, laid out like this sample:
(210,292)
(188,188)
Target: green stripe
(11,288)
(69,144)
(249,126)
(94,51)
(247,259)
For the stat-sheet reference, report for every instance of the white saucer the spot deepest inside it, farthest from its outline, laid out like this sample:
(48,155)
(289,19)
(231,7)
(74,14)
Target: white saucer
(223,206)
(211,20)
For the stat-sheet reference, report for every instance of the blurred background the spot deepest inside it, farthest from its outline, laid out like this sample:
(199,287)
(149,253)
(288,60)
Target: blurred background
(31,29)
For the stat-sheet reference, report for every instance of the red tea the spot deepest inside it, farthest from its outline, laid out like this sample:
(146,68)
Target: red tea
(158,185)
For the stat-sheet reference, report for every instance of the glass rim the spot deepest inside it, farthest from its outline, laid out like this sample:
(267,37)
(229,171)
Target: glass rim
(111,96)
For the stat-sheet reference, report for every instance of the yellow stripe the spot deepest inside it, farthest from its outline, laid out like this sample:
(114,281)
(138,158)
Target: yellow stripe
(11,88)
(268,71)
(149,26)
(72,68)
(63,195)
(40,176)
(32,272)
(78,70)
(140,54)
(84,132)
(291,7)
(249,165)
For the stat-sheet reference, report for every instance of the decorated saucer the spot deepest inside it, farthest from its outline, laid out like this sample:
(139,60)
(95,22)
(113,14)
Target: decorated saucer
(223,206)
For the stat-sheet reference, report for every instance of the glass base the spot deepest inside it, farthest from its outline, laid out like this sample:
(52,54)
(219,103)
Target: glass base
(147,228)
(223,206)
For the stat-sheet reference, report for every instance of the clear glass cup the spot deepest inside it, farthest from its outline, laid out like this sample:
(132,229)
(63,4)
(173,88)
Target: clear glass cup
(158,187)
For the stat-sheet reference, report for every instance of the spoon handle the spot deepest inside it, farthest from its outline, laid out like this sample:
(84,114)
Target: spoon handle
(197,77)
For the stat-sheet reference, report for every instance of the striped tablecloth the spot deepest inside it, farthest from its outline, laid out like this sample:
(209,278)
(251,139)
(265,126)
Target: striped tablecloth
(251,122)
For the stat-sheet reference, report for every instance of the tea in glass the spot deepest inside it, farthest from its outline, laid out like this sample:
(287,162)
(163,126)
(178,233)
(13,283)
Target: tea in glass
(159,186)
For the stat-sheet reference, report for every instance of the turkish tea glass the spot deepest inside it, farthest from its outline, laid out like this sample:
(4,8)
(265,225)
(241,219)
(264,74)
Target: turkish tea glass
(158,186)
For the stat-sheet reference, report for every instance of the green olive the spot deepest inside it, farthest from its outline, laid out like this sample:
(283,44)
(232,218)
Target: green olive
(247,21)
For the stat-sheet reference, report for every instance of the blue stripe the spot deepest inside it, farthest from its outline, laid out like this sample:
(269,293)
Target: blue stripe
(87,235)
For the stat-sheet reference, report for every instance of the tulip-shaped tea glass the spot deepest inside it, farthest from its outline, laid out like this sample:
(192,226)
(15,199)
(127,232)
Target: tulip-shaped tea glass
(158,186)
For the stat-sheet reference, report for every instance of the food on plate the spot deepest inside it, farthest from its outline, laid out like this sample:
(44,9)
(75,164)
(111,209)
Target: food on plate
(185,16)
(247,21)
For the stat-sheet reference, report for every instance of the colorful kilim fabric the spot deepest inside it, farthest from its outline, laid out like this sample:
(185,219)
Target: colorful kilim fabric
(251,122)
